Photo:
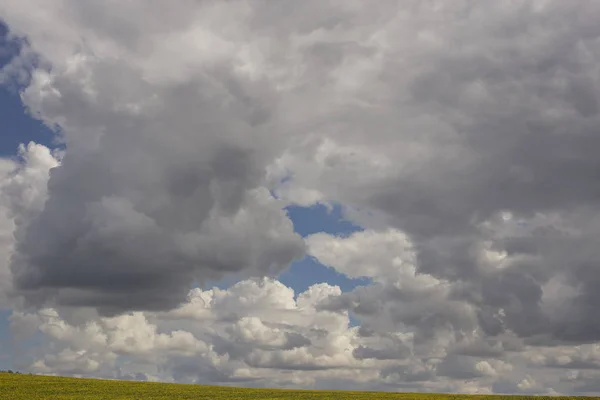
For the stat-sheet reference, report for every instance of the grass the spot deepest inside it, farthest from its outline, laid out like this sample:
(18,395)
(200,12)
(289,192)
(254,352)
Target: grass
(37,387)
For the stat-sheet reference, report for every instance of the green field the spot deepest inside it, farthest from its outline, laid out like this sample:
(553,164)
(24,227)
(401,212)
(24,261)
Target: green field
(35,387)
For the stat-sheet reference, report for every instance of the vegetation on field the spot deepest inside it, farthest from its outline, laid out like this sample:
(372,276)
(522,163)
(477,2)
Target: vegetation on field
(37,387)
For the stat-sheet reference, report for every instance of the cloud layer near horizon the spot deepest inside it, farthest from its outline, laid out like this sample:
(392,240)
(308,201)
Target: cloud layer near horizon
(461,135)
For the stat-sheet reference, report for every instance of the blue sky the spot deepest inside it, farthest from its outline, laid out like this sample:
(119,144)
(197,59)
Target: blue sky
(17,125)
(20,127)
(304,273)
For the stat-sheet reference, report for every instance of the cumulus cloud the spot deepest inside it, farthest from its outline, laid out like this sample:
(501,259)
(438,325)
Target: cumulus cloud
(23,182)
(429,328)
(460,135)
(168,343)
(161,183)
(284,340)
(473,139)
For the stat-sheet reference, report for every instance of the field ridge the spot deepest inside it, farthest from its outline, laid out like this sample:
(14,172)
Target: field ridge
(38,387)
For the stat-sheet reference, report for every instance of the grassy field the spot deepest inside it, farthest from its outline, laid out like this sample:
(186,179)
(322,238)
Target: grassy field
(36,387)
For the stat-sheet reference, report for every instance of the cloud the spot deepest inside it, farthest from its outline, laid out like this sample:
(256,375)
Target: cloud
(284,342)
(461,136)
(452,127)
(391,254)
(427,325)
(161,184)
(23,181)
(236,349)
(401,297)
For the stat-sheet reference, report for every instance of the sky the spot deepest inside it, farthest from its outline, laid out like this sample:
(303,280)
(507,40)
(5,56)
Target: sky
(397,196)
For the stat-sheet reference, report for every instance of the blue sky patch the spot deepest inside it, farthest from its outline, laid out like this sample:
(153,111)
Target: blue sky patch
(318,218)
(17,125)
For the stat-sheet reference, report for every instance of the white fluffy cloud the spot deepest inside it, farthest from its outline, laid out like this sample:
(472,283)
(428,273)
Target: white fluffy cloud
(390,257)
(274,332)
(280,341)
(460,135)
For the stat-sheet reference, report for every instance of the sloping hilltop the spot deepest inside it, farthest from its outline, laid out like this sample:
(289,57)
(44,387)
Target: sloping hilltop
(36,387)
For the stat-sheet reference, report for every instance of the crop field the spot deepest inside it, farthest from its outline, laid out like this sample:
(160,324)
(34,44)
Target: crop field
(36,387)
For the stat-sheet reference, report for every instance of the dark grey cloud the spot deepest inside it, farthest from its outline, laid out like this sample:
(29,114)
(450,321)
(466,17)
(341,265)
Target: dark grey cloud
(526,148)
(161,186)
(459,367)
(407,374)
(392,353)
(493,112)
(486,348)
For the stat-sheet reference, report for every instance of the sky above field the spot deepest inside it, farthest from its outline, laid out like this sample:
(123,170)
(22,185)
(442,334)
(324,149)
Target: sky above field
(378,195)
